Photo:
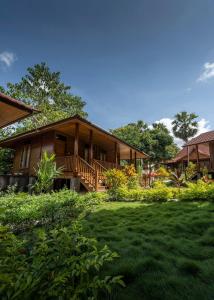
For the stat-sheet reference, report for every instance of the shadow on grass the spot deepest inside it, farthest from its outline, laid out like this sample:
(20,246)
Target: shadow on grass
(166,250)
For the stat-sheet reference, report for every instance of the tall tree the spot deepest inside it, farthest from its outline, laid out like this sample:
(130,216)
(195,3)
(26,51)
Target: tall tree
(44,90)
(154,140)
(185,125)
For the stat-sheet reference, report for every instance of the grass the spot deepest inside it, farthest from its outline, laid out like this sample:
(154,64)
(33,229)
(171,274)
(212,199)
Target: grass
(166,250)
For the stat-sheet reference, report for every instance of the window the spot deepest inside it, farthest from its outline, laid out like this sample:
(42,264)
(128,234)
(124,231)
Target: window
(25,157)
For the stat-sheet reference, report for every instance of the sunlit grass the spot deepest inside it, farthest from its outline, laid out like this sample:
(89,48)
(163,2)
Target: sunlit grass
(166,250)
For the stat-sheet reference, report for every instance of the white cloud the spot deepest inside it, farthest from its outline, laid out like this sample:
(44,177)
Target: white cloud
(208,72)
(203,126)
(7,58)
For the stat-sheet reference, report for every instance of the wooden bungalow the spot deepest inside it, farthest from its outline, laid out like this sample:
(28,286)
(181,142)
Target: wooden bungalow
(12,110)
(183,157)
(84,150)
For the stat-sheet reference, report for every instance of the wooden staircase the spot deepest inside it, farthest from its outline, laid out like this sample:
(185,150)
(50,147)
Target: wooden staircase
(91,175)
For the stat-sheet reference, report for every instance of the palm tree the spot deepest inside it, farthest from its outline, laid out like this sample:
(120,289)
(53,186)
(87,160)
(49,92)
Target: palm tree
(185,125)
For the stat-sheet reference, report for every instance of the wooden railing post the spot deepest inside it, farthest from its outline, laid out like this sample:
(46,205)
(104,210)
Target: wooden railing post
(96,180)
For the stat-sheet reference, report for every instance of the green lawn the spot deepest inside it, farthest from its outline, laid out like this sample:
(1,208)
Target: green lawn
(166,250)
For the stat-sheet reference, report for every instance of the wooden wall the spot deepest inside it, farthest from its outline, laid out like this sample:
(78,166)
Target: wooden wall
(39,144)
(47,142)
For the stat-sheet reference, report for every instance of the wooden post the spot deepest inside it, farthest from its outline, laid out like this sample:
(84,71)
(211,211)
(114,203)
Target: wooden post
(130,157)
(135,160)
(76,140)
(76,145)
(187,155)
(115,153)
(91,146)
(96,180)
(198,162)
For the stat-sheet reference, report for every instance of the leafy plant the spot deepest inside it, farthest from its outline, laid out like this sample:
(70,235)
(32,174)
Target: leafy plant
(115,179)
(56,264)
(132,176)
(46,173)
(191,171)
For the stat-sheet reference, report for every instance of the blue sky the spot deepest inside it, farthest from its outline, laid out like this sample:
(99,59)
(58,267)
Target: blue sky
(130,60)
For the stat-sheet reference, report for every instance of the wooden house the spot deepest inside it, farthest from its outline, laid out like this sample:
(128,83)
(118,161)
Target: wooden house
(186,155)
(12,110)
(84,150)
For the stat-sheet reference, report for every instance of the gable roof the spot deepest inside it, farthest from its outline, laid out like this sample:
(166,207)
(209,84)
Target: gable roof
(12,110)
(56,125)
(202,149)
(202,138)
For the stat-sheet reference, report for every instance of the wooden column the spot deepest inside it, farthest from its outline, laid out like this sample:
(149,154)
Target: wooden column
(135,160)
(187,155)
(130,157)
(115,153)
(76,140)
(198,162)
(91,150)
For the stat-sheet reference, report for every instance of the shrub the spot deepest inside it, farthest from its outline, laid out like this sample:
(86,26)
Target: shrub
(200,191)
(132,177)
(159,194)
(46,173)
(115,180)
(56,264)
(22,211)
(191,171)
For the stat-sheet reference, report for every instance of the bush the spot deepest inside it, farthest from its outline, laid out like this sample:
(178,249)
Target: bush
(132,177)
(56,264)
(115,180)
(46,173)
(200,191)
(22,211)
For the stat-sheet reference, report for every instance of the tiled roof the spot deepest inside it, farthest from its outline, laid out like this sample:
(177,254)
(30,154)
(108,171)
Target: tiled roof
(202,149)
(202,138)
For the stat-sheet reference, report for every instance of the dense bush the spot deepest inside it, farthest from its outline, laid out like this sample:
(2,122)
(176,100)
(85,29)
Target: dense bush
(199,191)
(56,264)
(22,211)
(52,260)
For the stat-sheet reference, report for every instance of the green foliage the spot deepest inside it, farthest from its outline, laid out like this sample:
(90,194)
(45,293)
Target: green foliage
(191,171)
(44,90)
(154,140)
(47,256)
(23,211)
(46,173)
(6,155)
(185,125)
(200,191)
(162,172)
(177,178)
(115,179)
(132,176)
(57,264)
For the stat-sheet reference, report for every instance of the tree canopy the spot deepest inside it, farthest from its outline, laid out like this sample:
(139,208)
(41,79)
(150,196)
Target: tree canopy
(185,125)
(43,89)
(155,140)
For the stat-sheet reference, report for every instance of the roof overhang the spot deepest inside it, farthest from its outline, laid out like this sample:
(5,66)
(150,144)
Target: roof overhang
(67,126)
(12,110)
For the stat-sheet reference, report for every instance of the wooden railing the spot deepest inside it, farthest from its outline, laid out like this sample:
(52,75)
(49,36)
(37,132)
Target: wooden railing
(78,166)
(108,165)
(86,171)
(100,170)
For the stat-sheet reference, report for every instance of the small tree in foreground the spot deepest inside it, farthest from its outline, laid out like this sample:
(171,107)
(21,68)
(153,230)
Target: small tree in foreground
(46,172)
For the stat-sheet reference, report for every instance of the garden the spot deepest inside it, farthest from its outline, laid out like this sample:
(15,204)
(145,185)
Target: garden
(127,243)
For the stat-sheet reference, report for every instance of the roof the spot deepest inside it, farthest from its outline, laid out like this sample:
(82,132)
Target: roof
(202,138)
(203,150)
(55,126)
(13,110)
